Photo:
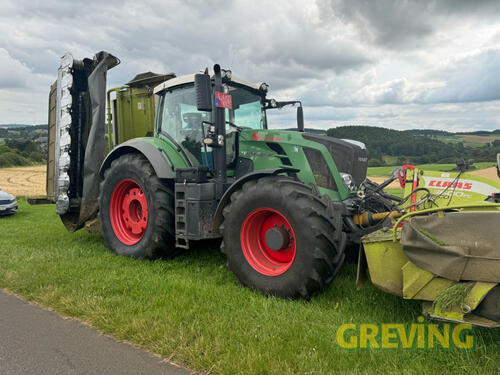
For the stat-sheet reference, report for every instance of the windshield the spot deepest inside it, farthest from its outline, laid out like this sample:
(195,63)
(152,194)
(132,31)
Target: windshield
(247,109)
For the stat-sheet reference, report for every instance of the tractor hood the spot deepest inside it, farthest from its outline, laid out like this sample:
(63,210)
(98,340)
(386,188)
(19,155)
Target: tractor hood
(350,156)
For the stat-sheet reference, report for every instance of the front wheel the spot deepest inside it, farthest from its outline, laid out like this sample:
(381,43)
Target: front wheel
(136,209)
(278,238)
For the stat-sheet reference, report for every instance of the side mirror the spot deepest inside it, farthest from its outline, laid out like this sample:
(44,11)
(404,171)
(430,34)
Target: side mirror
(203,90)
(300,118)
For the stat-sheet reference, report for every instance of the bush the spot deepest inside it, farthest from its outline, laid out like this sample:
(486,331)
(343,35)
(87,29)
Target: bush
(12,159)
(375,163)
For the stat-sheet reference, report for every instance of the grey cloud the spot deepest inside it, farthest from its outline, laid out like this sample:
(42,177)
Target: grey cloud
(474,78)
(383,115)
(405,24)
(13,73)
(327,53)
(184,36)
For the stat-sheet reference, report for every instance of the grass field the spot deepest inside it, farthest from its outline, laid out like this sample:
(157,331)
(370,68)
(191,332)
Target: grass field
(190,310)
(467,139)
(477,140)
(386,170)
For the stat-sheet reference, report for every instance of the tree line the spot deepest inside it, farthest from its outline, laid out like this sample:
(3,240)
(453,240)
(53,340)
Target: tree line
(406,145)
(20,152)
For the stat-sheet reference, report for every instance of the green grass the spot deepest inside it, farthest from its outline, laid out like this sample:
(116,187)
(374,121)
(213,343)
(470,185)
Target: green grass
(191,310)
(448,139)
(386,170)
(397,192)
(391,160)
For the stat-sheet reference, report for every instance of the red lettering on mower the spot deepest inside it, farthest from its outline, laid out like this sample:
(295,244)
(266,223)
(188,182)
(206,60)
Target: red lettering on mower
(444,184)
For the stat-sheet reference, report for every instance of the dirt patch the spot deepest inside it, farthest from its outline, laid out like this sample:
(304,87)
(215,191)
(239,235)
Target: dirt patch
(379,180)
(24,181)
(490,173)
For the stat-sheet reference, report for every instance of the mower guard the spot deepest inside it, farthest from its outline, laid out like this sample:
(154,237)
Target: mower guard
(455,245)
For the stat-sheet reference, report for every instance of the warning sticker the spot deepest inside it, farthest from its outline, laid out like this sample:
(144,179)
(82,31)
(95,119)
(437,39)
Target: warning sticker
(223,100)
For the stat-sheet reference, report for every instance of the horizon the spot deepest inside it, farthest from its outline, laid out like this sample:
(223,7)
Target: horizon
(321,129)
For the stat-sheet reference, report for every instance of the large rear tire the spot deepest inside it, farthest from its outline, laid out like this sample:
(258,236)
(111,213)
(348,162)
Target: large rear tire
(136,209)
(279,238)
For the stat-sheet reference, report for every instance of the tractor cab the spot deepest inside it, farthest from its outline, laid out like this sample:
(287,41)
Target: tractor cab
(179,120)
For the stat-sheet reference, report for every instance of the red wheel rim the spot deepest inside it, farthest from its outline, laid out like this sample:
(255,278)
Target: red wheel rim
(128,212)
(253,243)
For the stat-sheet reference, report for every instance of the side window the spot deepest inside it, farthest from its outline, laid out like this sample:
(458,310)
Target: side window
(182,121)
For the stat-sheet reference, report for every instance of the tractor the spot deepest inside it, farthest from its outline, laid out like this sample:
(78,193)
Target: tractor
(193,157)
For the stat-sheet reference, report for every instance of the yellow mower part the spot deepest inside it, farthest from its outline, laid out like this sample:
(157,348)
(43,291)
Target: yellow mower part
(368,218)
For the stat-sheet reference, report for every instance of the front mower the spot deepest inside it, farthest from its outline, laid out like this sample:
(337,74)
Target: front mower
(444,249)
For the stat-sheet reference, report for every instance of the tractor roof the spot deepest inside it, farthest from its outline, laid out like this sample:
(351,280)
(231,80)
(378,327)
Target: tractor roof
(189,78)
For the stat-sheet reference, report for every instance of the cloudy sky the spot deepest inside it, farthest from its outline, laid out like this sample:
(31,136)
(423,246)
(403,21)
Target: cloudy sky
(401,64)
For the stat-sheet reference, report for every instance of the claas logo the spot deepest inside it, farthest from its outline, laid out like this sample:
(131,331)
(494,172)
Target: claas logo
(451,184)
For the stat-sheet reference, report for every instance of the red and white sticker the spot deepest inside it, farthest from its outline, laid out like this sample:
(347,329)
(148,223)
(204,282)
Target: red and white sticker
(223,100)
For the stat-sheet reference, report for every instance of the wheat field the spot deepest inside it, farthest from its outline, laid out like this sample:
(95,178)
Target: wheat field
(24,181)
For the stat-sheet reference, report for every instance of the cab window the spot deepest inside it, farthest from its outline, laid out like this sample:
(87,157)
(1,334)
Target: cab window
(182,121)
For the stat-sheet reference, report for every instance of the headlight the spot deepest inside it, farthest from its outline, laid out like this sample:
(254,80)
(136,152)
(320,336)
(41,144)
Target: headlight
(348,182)
(264,87)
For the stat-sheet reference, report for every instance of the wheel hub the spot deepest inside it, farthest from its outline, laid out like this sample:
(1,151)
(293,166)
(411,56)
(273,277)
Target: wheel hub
(277,238)
(134,215)
(129,212)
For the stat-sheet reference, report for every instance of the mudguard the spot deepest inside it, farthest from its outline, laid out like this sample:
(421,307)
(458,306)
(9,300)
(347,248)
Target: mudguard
(159,160)
(239,183)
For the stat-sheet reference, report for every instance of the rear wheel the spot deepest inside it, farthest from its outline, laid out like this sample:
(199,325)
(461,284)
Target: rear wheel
(136,209)
(279,239)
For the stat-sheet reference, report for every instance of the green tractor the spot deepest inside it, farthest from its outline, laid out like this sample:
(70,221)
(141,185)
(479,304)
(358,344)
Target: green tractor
(287,204)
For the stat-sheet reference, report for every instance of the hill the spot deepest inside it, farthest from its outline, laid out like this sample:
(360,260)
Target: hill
(430,132)
(16,126)
(22,145)
(393,147)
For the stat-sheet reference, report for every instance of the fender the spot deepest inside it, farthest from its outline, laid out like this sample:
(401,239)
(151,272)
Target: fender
(159,160)
(239,183)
